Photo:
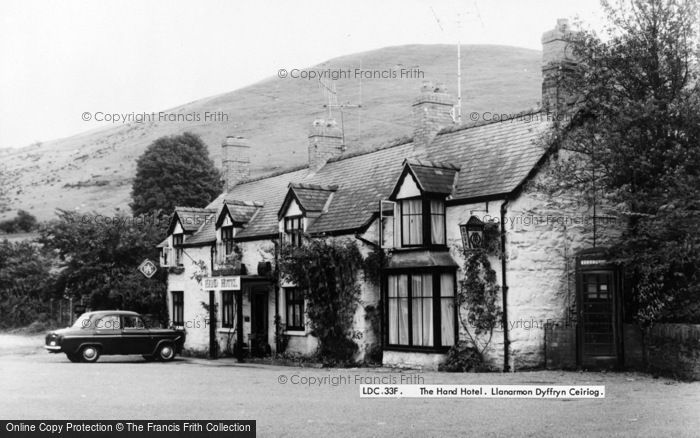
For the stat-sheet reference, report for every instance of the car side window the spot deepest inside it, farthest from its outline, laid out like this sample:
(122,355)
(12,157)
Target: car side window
(133,322)
(109,322)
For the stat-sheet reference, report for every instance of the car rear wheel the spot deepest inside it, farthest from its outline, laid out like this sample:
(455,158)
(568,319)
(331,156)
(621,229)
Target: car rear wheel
(89,353)
(73,357)
(166,352)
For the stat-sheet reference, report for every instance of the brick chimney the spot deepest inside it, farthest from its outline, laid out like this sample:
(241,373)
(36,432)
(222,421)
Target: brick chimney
(235,161)
(325,142)
(558,61)
(433,110)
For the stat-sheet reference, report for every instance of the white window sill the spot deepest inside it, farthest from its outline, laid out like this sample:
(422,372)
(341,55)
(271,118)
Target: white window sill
(226,330)
(295,332)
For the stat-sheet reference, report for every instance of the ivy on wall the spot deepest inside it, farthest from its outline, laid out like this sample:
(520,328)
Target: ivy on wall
(326,270)
(478,310)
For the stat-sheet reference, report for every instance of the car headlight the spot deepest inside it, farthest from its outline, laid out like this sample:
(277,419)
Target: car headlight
(53,343)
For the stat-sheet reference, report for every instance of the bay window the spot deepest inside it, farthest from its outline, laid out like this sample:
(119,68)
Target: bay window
(420,309)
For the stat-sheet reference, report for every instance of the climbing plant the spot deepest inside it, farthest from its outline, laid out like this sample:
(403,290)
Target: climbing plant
(478,310)
(327,272)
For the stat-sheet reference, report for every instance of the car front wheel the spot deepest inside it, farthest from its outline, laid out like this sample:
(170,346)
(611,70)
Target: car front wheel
(89,354)
(166,352)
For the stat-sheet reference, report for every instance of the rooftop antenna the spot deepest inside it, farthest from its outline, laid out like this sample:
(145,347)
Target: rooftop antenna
(458,108)
(329,90)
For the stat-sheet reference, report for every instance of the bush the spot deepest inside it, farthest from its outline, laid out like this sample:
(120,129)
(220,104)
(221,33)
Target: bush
(463,357)
(338,351)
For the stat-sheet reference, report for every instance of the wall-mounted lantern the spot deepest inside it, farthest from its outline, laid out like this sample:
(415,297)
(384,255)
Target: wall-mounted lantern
(472,233)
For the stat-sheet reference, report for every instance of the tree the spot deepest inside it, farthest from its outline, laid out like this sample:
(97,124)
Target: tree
(99,260)
(634,139)
(23,222)
(26,283)
(174,171)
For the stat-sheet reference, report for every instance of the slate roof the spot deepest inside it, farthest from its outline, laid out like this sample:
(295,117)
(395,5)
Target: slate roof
(433,177)
(270,191)
(492,158)
(312,197)
(243,211)
(192,219)
(206,233)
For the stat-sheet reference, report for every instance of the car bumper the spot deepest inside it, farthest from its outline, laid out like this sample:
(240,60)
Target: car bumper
(53,348)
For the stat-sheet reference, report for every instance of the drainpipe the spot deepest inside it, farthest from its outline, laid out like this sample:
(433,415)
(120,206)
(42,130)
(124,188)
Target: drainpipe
(278,247)
(504,290)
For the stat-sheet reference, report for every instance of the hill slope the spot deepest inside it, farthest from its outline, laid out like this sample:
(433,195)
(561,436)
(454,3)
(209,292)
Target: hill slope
(94,170)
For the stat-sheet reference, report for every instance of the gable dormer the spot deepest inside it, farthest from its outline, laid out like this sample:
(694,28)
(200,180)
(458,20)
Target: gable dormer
(184,222)
(230,220)
(419,196)
(302,205)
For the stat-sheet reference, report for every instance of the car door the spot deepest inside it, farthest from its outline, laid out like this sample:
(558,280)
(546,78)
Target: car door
(108,333)
(136,338)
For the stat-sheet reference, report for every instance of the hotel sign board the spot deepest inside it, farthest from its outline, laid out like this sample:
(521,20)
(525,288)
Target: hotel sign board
(222,283)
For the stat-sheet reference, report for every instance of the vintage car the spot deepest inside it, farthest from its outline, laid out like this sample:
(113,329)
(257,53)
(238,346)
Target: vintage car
(114,332)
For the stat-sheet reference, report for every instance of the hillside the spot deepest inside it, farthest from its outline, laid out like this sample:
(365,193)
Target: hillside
(93,170)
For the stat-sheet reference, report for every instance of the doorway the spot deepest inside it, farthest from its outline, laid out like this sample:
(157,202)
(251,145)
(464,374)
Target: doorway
(259,345)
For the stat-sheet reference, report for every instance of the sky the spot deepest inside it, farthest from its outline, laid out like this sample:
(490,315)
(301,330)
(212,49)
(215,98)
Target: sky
(59,59)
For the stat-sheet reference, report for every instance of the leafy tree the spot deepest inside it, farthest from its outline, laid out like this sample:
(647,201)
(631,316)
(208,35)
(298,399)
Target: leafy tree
(23,222)
(99,260)
(633,139)
(327,272)
(26,283)
(174,171)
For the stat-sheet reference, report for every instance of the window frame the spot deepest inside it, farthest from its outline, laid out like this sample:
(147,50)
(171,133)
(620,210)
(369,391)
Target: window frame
(228,301)
(178,241)
(227,235)
(437,298)
(179,302)
(422,224)
(426,221)
(290,303)
(294,235)
(444,220)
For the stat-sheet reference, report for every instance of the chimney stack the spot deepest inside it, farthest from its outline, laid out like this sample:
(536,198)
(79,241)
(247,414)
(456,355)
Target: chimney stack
(325,142)
(235,160)
(433,110)
(558,61)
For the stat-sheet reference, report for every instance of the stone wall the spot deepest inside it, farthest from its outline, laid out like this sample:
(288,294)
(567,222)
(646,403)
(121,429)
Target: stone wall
(544,233)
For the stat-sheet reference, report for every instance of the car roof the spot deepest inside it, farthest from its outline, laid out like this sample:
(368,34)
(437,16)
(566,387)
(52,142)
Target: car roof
(112,312)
